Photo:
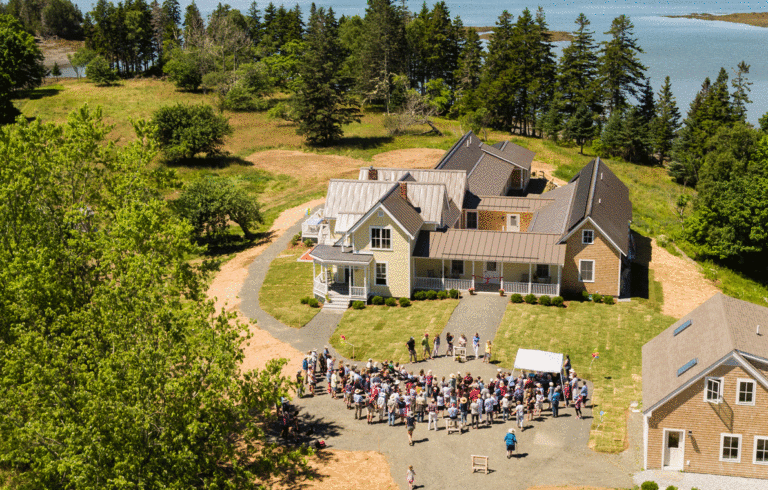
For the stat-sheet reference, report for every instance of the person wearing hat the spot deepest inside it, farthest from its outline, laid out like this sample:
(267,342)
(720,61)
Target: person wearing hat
(392,409)
(511,441)
(411,344)
(453,416)
(436,342)
(505,406)
(432,414)
(463,408)
(410,424)
(359,401)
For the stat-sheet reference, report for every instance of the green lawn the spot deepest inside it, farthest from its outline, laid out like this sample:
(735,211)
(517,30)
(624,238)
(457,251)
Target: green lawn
(380,332)
(286,283)
(616,332)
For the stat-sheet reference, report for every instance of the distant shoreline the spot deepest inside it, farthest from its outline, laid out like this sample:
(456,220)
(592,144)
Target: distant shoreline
(486,32)
(759,19)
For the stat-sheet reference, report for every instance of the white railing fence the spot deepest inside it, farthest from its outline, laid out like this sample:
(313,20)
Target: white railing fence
(458,283)
(540,289)
(429,283)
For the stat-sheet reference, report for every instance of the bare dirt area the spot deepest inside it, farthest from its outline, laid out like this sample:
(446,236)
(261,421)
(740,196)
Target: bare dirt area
(568,488)
(345,470)
(548,170)
(311,167)
(56,51)
(227,284)
(683,285)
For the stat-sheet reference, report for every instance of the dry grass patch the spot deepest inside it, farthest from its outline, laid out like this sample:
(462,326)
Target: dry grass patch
(380,332)
(286,283)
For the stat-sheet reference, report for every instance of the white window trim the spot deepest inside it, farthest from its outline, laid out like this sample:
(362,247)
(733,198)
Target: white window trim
(583,242)
(386,276)
(477,220)
(518,222)
(754,391)
(370,234)
(754,451)
(593,270)
(723,435)
(722,388)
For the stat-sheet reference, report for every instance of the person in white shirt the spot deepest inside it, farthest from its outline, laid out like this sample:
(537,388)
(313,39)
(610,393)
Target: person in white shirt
(520,412)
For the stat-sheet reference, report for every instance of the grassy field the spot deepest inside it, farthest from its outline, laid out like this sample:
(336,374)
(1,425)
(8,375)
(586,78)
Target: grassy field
(380,332)
(286,283)
(617,332)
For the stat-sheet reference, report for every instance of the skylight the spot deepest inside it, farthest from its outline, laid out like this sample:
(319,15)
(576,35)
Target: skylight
(688,365)
(682,327)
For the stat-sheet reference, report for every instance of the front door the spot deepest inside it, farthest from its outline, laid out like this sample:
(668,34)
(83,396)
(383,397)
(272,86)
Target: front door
(347,274)
(674,444)
(491,273)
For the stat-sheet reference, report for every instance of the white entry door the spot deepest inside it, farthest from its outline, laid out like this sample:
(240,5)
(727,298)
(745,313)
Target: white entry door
(491,272)
(674,445)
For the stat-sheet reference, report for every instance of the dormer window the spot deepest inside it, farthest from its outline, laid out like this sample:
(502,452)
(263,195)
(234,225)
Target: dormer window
(587,237)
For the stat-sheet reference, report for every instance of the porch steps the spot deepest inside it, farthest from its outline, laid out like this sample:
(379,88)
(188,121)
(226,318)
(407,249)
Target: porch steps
(337,303)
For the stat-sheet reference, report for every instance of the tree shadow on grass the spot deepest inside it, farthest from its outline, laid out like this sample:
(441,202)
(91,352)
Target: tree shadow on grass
(359,143)
(37,94)
(217,161)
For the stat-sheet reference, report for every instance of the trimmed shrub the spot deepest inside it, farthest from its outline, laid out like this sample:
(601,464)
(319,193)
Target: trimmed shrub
(454,293)
(405,302)
(585,295)
(671,487)
(420,295)
(390,302)
(597,298)
(308,243)
(313,302)
(530,299)
(649,485)
(557,301)
(545,300)
(608,300)
(431,295)
(516,298)
(377,300)
(358,305)
(296,239)
(442,295)
(305,300)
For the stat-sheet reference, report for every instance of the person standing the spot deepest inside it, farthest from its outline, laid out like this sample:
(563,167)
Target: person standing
(463,408)
(436,352)
(411,344)
(520,414)
(489,410)
(474,412)
(392,409)
(583,394)
(511,441)
(577,406)
(410,475)
(488,347)
(449,341)
(359,401)
(410,424)
(299,385)
(425,346)
(476,345)
(556,402)
(432,414)
(421,405)
(505,406)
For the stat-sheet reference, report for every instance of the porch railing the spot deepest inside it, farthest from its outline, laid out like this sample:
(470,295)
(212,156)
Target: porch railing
(548,289)
(516,287)
(339,288)
(458,283)
(320,287)
(429,283)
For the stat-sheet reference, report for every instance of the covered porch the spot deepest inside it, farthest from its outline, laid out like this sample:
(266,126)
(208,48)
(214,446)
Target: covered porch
(339,273)
(522,263)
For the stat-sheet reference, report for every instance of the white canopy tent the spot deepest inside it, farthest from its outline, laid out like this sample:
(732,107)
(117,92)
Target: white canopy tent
(538,360)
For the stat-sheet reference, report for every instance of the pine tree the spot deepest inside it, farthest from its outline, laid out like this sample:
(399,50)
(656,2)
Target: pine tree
(500,75)
(254,23)
(322,102)
(172,21)
(580,126)
(667,122)
(383,53)
(740,95)
(578,70)
(194,26)
(467,74)
(541,86)
(622,74)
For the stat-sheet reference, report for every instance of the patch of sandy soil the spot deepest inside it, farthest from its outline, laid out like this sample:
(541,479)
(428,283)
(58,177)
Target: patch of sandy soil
(567,488)
(683,285)
(345,470)
(548,170)
(311,167)
(56,51)
(227,284)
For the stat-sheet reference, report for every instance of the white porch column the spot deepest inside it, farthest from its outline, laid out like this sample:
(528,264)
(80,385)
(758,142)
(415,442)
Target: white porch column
(324,272)
(442,271)
(473,274)
(367,266)
(530,278)
(502,276)
(351,276)
(559,270)
(314,274)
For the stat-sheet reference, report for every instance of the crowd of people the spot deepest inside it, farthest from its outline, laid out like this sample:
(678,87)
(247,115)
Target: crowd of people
(379,391)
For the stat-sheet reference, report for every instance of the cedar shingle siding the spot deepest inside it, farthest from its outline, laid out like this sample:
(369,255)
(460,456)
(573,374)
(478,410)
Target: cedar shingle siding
(607,264)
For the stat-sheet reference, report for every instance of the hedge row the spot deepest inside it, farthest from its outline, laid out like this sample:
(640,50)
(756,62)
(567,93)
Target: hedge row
(597,298)
(532,299)
(431,294)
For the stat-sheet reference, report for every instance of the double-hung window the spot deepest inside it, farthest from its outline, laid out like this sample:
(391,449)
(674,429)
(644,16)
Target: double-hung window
(542,270)
(587,270)
(713,390)
(381,238)
(745,392)
(761,450)
(730,448)
(381,274)
(587,237)
(471,220)
(457,267)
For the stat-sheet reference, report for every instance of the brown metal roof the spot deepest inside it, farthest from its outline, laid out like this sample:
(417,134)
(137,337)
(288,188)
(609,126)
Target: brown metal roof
(718,327)
(505,203)
(403,212)
(512,153)
(526,248)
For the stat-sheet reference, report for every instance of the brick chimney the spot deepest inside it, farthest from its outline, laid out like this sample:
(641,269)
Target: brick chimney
(404,190)
(373,174)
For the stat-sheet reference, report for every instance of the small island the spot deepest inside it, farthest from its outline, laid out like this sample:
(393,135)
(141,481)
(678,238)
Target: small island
(759,19)
(486,32)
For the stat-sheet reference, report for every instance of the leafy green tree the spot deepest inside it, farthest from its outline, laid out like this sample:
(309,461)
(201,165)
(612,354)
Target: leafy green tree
(322,101)
(184,69)
(667,122)
(186,130)
(62,18)
(116,370)
(100,72)
(209,204)
(622,74)
(21,64)
(500,79)
(80,59)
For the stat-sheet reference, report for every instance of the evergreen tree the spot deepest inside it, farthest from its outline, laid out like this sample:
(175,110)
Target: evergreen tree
(383,53)
(667,122)
(580,126)
(322,102)
(254,23)
(56,71)
(468,73)
(21,64)
(647,104)
(194,27)
(578,70)
(622,74)
(541,86)
(740,95)
(500,76)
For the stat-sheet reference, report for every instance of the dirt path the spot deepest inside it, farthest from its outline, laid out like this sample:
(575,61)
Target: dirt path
(345,470)
(548,170)
(683,285)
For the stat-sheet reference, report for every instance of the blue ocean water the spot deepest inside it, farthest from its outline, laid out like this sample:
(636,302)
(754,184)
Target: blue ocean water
(685,49)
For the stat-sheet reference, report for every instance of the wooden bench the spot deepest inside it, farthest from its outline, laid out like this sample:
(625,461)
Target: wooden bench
(479,463)
(456,428)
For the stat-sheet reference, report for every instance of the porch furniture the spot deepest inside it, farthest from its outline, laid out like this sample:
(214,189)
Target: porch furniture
(479,463)
(460,354)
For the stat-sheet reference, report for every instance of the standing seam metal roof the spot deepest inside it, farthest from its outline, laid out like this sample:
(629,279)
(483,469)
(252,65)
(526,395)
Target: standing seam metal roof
(530,248)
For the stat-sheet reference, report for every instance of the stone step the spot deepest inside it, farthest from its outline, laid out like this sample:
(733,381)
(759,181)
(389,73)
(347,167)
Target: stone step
(336,304)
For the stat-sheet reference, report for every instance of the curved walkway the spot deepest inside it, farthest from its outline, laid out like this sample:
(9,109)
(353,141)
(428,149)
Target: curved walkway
(552,451)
